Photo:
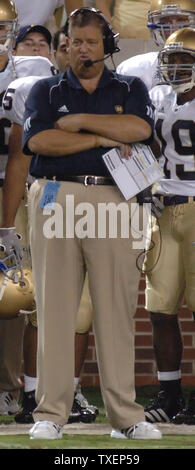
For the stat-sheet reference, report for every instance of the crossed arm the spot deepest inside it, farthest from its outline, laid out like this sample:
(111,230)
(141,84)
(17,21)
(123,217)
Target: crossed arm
(65,138)
(101,131)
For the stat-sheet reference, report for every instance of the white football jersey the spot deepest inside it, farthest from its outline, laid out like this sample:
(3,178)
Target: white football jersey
(37,12)
(144,66)
(15,97)
(175,131)
(18,66)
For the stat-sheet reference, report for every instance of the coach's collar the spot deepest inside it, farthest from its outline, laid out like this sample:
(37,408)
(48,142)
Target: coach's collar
(105,79)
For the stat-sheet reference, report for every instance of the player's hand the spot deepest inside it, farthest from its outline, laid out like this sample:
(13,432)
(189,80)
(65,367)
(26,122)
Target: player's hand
(10,242)
(157,206)
(146,196)
(69,123)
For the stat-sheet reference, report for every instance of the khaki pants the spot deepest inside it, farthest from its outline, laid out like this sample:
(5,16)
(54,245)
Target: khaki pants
(11,331)
(59,268)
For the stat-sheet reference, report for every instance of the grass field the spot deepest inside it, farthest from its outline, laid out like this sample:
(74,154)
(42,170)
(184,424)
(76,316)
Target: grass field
(78,441)
(83,441)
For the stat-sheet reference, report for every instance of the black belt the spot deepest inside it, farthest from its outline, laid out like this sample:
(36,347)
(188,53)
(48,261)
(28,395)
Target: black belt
(174,200)
(87,179)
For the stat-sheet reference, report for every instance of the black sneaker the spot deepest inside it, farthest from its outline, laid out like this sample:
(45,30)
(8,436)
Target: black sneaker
(164,407)
(75,414)
(82,411)
(24,416)
(187,415)
(88,412)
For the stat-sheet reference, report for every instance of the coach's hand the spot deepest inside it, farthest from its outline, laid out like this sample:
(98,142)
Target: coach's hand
(69,123)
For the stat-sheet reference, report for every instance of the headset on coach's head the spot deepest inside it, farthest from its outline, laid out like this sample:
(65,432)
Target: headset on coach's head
(110,38)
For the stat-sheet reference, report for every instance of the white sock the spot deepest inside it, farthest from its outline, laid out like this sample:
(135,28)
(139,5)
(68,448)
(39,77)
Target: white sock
(173,375)
(76,382)
(30,383)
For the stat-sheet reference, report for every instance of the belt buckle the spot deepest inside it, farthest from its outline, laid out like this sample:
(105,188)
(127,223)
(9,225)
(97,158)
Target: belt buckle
(89,176)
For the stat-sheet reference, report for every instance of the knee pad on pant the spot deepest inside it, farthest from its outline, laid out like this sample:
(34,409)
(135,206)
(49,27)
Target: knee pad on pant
(85,313)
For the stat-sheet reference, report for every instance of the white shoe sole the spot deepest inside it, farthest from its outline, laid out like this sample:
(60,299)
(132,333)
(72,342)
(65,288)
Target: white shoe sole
(116,433)
(44,431)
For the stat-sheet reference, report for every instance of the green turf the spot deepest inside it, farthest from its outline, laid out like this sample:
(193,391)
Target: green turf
(79,441)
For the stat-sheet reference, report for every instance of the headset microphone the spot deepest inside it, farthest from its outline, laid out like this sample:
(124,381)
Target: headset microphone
(89,62)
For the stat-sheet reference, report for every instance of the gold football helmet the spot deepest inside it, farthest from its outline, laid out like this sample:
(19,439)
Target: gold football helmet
(167,16)
(8,25)
(16,287)
(177,70)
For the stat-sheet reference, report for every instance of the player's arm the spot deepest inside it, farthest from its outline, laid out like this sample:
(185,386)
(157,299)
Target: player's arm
(71,5)
(58,14)
(105,7)
(15,178)
(155,147)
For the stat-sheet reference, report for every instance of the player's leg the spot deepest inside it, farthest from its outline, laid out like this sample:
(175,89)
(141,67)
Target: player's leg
(30,371)
(187,415)
(165,284)
(11,341)
(11,335)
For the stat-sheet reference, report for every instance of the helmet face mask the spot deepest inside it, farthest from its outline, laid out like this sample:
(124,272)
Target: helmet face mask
(8,26)
(177,60)
(10,266)
(167,16)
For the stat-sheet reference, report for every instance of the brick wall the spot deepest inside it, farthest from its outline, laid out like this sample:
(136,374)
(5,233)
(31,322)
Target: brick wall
(145,368)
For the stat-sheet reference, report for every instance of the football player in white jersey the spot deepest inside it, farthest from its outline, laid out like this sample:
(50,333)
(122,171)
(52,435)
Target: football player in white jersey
(164,17)
(11,67)
(170,262)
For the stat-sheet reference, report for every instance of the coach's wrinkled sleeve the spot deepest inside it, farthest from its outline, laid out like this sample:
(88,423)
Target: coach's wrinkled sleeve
(138,102)
(38,113)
